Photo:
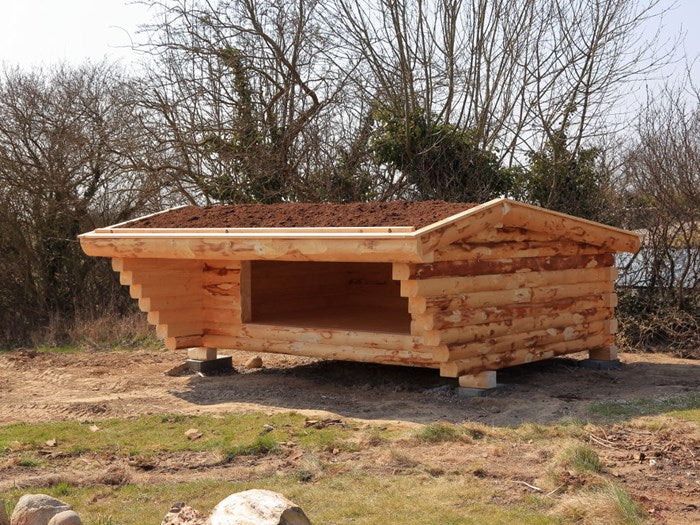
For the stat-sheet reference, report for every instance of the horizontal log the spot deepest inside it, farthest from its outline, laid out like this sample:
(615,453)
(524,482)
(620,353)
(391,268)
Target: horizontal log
(551,293)
(224,289)
(483,283)
(224,302)
(438,319)
(322,351)
(365,247)
(326,336)
(222,315)
(137,291)
(179,329)
(503,360)
(164,277)
(463,250)
(233,277)
(185,315)
(419,305)
(176,343)
(172,302)
(517,341)
(155,265)
(511,326)
(406,271)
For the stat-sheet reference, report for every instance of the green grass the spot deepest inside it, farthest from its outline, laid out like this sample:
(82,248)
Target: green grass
(580,457)
(608,503)
(262,445)
(345,499)
(28,462)
(232,434)
(630,510)
(685,407)
(438,433)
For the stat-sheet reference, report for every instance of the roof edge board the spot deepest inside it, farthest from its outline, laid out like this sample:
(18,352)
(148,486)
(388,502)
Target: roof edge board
(121,224)
(291,235)
(301,229)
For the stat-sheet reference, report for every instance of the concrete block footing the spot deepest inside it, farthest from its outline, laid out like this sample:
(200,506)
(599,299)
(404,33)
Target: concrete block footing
(213,366)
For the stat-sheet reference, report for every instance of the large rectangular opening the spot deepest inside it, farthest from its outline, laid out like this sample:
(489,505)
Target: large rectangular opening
(334,295)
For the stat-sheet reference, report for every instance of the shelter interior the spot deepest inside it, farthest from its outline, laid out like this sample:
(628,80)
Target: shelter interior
(331,295)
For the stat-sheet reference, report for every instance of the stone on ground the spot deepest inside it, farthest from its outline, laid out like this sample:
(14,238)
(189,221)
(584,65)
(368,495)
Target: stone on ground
(67,517)
(254,362)
(37,509)
(182,514)
(257,507)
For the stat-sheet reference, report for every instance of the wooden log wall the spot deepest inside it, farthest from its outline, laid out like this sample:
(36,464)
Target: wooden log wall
(186,298)
(508,296)
(209,303)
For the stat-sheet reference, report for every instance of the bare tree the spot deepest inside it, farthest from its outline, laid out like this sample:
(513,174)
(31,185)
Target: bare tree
(243,93)
(660,192)
(516,72)
(68,142)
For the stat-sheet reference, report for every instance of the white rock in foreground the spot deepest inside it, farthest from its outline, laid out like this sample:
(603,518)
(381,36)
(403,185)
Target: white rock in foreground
(67,517)
(257,507)
(37,509)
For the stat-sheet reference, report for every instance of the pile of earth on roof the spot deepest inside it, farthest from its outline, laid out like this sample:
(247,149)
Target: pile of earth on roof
(296,215)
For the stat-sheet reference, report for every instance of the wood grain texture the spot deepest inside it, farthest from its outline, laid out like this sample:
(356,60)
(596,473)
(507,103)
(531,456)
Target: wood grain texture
(495,361)
(441,286)
(471,267)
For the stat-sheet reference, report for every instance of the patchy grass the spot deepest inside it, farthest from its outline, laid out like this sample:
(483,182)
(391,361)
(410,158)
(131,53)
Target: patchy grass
(233,434)
(608,504)
(685,407)
(355,499)
(262,445)
(28,462)
(439,432)
(580,457)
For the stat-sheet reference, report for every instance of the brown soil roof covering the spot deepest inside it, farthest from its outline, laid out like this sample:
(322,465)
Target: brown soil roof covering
(295,215)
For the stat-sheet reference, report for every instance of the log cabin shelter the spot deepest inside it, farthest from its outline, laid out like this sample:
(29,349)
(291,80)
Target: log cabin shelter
(467,289)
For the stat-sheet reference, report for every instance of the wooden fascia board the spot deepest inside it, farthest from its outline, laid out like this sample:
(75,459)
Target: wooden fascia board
(332,231)
(351,247)
(121,224)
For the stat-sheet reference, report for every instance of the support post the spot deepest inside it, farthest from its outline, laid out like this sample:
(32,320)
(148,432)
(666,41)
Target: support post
(201,353)
(205,360)
(603,358)
(476,385)
(603,354)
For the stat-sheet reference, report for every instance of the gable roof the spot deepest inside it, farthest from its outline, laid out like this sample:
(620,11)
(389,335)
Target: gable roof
(402,243)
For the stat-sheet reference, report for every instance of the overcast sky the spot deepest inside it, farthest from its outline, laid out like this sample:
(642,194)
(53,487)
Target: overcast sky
(33,32)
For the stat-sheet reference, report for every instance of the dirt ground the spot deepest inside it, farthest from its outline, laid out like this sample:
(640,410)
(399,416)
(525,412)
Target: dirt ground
(38,387)
(54,386)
